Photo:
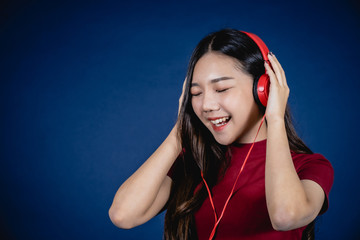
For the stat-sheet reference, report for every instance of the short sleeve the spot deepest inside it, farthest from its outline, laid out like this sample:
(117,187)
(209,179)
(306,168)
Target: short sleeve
(317,168)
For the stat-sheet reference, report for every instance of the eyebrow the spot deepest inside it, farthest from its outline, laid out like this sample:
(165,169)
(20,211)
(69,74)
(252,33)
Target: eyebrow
(215,80)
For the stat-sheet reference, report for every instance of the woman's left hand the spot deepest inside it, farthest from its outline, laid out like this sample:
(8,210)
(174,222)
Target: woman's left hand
(279,90)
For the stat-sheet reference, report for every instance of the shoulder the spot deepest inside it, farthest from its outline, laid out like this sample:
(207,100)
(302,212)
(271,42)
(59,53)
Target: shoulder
(311,162)
(314,167)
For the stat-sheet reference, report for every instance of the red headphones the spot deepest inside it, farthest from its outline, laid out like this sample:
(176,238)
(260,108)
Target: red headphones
(261,85)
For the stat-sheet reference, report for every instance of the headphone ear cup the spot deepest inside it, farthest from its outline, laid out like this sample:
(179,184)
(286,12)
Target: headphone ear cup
(261,90)
(255,92)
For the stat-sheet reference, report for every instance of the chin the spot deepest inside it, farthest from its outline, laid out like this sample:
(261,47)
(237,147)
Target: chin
(223,141)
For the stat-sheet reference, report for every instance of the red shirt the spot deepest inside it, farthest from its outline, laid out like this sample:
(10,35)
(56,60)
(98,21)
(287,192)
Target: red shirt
(246,216)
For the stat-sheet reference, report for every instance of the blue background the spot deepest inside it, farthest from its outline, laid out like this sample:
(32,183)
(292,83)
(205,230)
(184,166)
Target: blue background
(89,89)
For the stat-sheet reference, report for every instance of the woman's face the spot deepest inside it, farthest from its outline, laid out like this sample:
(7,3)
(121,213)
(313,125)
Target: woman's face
(222,99)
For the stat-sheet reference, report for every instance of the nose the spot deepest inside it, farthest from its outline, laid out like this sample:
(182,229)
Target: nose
(210,103)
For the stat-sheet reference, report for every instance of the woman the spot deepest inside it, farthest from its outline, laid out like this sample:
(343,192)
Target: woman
(222,186)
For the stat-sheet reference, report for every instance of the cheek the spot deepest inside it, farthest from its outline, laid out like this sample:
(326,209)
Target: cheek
(234,98)
(239,102)
(196,105)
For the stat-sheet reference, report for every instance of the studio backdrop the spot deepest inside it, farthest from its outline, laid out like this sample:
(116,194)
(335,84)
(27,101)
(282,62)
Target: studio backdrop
(90,89)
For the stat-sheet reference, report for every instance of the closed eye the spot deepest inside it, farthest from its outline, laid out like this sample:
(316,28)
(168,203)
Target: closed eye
(195,94)
(222,90)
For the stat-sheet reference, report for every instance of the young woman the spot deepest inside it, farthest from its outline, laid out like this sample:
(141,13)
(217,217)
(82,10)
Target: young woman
(222,173)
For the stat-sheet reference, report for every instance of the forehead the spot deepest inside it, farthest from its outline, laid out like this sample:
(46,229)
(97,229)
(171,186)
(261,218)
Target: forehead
(216,65)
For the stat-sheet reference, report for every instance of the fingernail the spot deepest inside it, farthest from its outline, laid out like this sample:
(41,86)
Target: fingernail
(271,54)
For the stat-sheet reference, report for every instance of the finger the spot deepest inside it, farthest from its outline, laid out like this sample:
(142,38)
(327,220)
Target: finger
(279,72)
(283,77)
(183,89)
(275,67)
(182,95)
(184,84)
(272,76)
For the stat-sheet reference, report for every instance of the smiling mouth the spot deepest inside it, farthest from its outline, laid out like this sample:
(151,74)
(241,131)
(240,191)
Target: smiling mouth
(220,121)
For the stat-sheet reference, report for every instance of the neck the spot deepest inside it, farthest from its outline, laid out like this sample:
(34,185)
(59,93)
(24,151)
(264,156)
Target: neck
(249,137)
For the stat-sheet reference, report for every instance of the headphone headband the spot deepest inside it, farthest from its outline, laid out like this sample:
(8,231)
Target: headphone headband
(261,85)
(260,43)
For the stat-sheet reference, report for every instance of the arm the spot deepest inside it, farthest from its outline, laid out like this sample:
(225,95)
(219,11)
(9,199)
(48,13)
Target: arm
(146,192)
(291,202)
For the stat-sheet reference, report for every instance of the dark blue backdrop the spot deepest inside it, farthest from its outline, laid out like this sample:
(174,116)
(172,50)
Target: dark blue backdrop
(89,89)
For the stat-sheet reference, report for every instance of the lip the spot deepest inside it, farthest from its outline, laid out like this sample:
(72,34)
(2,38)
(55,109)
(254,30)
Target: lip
(215,118)
(218,128)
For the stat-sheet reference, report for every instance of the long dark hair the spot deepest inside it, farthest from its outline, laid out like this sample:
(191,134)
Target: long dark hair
(201,151)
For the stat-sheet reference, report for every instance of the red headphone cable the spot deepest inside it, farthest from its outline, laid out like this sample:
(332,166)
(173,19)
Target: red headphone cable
(217,221)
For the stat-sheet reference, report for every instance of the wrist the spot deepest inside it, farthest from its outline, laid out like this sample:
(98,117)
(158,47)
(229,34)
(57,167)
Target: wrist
(275,121)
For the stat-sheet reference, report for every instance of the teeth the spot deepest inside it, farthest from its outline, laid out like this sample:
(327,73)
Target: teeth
(220,121)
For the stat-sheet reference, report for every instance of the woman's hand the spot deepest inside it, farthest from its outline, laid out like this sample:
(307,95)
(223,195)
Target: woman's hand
(279,90)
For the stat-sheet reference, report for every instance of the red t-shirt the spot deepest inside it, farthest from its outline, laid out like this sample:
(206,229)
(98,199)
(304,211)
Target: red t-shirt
(246,216)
